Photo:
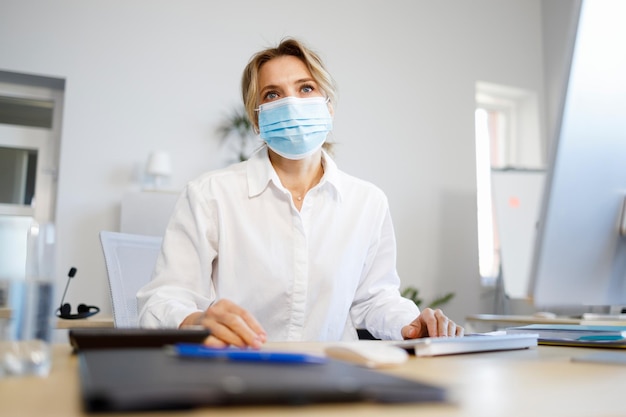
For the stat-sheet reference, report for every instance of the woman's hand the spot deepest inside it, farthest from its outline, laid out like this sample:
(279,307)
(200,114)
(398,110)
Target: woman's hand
(229,325)
(431,323)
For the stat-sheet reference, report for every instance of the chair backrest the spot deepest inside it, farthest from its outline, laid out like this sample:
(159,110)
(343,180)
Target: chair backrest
(130,261)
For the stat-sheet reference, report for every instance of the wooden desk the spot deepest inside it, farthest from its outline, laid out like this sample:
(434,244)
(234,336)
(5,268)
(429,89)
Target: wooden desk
(85,323)
(534,382)
(100,321)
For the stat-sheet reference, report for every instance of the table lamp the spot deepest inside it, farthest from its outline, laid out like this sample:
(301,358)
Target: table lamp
(159,167)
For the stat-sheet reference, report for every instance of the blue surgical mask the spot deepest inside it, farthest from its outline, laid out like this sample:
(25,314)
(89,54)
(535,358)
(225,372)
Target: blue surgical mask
(295,127)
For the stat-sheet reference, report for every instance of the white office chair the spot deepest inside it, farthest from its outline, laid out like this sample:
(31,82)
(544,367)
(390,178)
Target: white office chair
(130,261)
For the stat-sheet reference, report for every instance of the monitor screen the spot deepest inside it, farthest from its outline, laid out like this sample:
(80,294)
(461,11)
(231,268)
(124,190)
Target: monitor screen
(580,254)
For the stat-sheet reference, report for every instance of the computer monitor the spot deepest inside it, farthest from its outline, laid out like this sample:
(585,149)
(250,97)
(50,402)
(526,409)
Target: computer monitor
(580,253)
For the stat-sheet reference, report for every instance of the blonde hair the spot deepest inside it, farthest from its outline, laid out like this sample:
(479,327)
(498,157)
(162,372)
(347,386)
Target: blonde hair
(291,47)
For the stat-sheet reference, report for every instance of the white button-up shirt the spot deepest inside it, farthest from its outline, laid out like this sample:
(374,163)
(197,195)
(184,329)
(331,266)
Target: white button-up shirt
(315,275)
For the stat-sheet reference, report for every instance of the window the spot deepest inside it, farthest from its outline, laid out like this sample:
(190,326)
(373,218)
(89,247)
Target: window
(507,137)
(488,252)
(18,169)
(30,115)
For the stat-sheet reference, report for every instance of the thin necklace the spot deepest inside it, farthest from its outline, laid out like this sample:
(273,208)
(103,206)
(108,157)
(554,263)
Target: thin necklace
(315,182)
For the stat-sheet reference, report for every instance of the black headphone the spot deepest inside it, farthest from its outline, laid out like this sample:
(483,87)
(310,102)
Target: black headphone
(65,310)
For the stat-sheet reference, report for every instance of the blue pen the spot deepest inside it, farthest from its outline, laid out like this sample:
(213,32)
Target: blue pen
(192,350)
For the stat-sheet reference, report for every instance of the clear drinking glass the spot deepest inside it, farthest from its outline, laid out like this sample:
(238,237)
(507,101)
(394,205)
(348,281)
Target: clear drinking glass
(26,308)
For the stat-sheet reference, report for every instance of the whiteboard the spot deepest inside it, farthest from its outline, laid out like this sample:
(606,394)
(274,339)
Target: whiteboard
(517,198)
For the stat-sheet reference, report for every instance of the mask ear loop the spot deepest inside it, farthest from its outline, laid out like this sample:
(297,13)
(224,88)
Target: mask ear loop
(255,127)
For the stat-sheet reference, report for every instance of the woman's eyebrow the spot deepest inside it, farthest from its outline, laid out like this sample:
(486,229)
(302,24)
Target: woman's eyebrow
(296,82)
(305,80)
(270,87)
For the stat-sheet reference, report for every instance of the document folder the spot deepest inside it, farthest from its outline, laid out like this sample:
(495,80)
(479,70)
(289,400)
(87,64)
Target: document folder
(575,335)
(153,379)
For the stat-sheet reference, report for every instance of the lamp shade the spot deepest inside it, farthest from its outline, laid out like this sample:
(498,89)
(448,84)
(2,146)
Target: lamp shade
(160,164)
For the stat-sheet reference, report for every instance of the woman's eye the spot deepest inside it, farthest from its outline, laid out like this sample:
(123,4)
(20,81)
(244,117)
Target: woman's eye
(307,89)
(271,95)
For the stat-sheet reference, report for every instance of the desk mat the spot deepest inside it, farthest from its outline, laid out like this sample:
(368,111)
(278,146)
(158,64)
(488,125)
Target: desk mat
(153,379)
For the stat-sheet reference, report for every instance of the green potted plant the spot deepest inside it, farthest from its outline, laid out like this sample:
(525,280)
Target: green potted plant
(237,124)
(412,294)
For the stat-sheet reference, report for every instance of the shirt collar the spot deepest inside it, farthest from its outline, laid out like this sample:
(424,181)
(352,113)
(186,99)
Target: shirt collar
(260,173)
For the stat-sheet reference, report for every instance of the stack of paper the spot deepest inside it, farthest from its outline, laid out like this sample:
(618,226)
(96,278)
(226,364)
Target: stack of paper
(575,335)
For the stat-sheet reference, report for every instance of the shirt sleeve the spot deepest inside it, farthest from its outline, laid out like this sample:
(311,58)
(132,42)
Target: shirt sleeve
(182,280)
(378,305)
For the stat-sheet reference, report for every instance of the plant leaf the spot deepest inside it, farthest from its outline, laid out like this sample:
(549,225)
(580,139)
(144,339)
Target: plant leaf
(237,121)
(437,302)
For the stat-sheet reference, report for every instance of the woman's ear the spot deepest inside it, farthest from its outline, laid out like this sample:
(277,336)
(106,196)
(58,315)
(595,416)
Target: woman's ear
(255,123)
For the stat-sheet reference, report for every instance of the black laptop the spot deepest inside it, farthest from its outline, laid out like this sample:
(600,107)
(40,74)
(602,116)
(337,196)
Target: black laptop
(120,338)
(155,379)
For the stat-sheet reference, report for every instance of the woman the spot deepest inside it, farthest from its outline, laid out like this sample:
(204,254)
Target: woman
(284,246)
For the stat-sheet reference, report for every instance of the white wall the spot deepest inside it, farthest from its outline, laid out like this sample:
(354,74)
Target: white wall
(156,74)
